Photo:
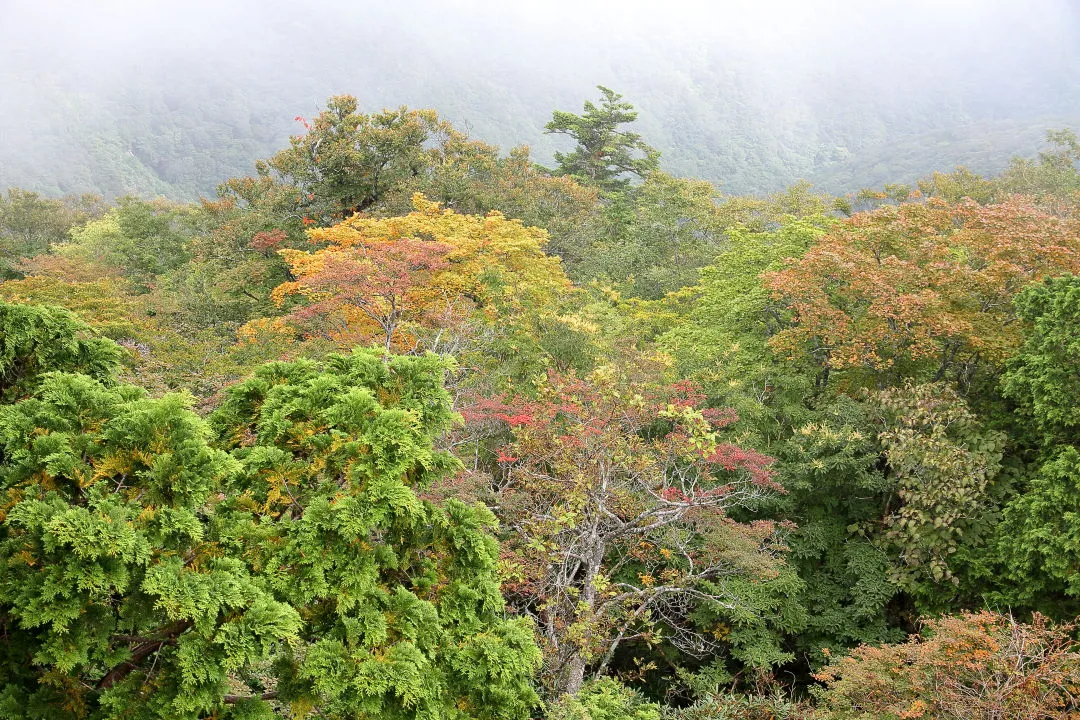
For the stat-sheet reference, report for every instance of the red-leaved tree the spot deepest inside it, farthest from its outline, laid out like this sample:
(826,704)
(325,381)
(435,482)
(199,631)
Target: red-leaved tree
(614,502)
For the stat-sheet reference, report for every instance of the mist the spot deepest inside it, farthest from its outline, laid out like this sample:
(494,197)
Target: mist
(166,98)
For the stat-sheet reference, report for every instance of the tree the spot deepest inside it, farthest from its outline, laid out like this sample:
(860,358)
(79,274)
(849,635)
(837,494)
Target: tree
(39,339)
(604,699)
(114,600)
(415,281)
(721,325)
(233,266)
(514,185)
(347,161)
(99,304)
(157,353)
(1032,560)
(31,225)
(957,185)
(837,495)
(141,239)
(978,665)
(1044,376)
(403,615)
(673,228)
(941,464)
(615,508)
(149,571)
(920,290)
(1053,177)
(382,284)
(605,154)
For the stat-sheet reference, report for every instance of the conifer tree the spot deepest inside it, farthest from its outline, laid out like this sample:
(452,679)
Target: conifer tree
(286,568)
(36,339)
(605,154)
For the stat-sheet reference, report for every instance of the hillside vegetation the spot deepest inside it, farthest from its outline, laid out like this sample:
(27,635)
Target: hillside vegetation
(402,425)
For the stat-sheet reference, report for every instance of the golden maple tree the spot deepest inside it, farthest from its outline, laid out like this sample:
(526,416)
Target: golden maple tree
(416,281)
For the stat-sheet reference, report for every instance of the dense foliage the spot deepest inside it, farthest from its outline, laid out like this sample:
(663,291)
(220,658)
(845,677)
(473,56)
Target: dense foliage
(400,426)
(157,565)
(976,665)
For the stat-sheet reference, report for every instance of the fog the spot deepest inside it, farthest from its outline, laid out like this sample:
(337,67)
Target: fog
(172,97)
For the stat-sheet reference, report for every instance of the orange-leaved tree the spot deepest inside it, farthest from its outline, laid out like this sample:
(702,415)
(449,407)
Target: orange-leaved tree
(921,289)
(981,665)
(417,281)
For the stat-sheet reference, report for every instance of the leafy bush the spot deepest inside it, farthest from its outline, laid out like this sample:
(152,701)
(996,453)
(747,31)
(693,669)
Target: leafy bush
(604,699)
(981,665)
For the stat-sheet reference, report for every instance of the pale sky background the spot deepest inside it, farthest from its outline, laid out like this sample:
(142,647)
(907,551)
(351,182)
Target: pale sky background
(500,67)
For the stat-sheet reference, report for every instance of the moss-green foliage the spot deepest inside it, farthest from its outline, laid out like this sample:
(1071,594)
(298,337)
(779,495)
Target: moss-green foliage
(31,224)
(1036,549)
(115,598)
(835,490)
(405,617)
(658,236)
(143,239)
(604,699)
(36,339)
(721,340)
(941,463)
(149,571)
(605,154)
(1044,378)
(1035,553)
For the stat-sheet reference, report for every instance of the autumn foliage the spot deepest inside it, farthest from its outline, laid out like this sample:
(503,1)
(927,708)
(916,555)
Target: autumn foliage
(921,287)
(415,280)
(594,434)
(614,499)
(978,665)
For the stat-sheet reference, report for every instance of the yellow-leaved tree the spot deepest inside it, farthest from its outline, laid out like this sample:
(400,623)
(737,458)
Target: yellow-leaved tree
(427,280)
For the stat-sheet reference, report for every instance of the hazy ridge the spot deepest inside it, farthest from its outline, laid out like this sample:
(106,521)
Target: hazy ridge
(159,98)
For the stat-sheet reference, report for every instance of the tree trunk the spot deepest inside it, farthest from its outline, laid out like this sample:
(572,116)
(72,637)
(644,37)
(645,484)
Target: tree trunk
(575,668)
(575,673)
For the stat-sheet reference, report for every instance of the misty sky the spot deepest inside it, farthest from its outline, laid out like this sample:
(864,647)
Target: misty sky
(114,34)
(500,67)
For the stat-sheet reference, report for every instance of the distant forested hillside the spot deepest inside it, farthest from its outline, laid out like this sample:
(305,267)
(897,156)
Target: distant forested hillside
(170,99)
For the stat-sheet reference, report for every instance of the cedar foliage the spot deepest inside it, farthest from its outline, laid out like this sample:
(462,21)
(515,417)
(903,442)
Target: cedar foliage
(156,565)
(37,339)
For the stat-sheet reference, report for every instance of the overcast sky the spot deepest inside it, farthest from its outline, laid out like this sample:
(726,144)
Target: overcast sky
(108,35)
(984,58)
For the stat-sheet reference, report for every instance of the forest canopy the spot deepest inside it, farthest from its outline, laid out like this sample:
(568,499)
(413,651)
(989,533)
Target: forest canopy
(400,425)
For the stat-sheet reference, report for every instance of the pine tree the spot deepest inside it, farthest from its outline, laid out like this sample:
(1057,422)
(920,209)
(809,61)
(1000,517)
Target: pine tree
(605,154)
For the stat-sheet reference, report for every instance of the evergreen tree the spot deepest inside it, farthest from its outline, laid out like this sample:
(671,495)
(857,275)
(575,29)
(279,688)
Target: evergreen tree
(36,339)
(147,571)
(605,154)
(1033,559)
